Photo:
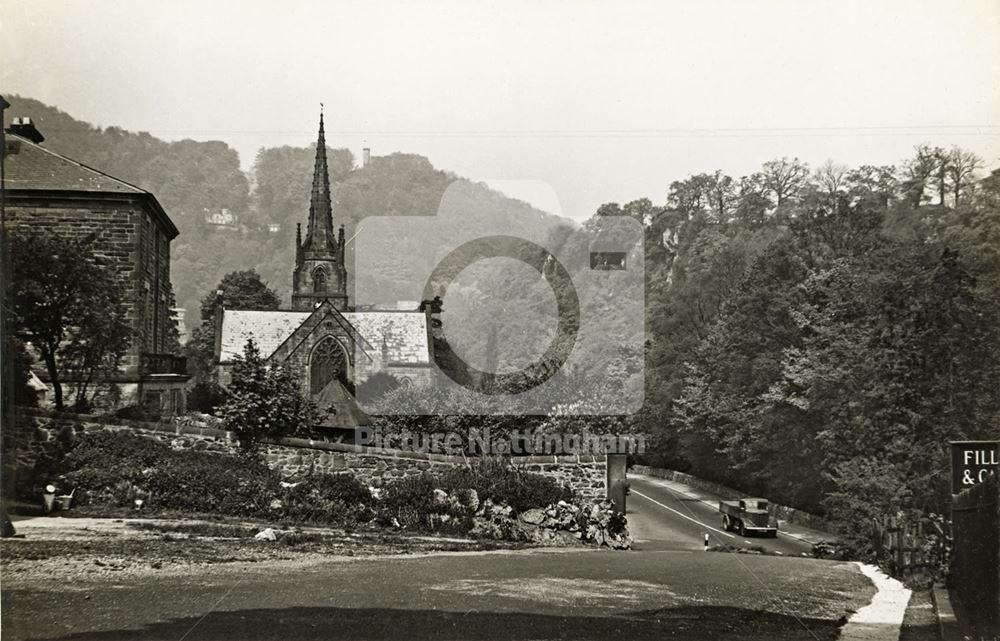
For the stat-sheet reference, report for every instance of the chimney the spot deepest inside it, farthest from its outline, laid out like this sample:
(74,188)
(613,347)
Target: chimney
(366,156)
(26,129)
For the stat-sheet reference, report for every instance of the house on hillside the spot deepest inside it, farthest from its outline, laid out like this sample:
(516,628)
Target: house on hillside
(48,193)
(331,346)
(221,217)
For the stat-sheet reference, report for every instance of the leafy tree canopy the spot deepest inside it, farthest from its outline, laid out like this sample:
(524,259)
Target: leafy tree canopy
(69,308)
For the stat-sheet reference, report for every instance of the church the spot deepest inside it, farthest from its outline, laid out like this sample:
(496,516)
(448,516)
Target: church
(331,346)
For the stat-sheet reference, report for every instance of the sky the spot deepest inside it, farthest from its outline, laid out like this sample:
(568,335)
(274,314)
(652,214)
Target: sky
(566,104)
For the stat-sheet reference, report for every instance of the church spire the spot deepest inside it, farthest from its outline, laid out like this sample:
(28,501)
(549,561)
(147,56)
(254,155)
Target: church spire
(319,233)
(320,273)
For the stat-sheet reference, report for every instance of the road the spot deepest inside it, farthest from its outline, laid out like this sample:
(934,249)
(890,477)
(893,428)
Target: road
(698,596)
(667,587)
(664,515)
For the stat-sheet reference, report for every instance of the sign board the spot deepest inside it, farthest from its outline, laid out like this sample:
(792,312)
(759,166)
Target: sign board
(972,462)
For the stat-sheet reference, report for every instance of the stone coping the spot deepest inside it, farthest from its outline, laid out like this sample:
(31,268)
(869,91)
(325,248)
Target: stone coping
(302,443)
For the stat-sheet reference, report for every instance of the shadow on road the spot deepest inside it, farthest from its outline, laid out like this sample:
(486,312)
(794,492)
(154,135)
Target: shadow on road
(356,624)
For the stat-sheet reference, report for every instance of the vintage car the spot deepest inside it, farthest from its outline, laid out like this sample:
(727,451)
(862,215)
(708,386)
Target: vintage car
(748,516)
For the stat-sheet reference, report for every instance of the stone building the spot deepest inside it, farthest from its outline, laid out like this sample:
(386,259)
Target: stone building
(328,344)
(48,193)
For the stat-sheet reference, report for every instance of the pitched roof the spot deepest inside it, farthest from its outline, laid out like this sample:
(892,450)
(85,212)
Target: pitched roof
(267,329)
(34,167)
(404,333)
(29,167)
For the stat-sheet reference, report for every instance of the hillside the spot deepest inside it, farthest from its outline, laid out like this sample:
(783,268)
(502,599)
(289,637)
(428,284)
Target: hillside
(194,178)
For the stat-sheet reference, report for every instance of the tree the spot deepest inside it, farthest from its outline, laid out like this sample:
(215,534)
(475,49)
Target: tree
(265,400)
(69,308)
(962,168)
(240,290)
(751,211)
(875,183)
(918,171)
(200,352)
(784,178)
(376,386)
(831,179)
(172,336)
(896,361)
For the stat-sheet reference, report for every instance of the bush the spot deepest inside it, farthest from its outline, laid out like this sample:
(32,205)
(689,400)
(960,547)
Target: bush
(409,502)
(326,498)
(376,386)
(265,400)
(103,464)
(495,479)
(207,482)
(137,413)
(115,468)
(206,397)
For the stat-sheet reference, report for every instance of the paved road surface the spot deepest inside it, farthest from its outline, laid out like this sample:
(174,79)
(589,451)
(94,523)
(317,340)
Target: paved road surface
(663,515)
(666,588)
(652,595)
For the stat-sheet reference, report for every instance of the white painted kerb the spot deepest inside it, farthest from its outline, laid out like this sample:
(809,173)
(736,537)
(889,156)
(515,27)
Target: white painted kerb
(881,619)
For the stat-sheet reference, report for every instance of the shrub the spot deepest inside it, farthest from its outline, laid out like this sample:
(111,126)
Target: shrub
(206,397)
(207,482)
(137,413)
(115,468)
(102,464)
(495,479)
(264,400)
(343,487)
(326,498)
(376,386)
(409,502)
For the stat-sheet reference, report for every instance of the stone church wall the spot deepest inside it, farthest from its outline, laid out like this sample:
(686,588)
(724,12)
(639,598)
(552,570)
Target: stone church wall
(40,431)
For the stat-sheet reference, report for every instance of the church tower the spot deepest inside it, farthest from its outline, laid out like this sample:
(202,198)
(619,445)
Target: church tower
(319,260)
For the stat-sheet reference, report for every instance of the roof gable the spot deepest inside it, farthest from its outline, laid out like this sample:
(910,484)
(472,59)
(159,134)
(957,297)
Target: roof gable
(316,318)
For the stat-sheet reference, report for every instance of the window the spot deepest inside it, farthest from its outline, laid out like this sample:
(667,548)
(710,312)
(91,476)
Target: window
(328,362)
(319,281)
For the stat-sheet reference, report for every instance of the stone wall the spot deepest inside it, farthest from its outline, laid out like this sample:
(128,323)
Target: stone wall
(781,512)
(38,430)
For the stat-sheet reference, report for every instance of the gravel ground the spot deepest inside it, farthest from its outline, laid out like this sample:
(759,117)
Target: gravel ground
(51,549)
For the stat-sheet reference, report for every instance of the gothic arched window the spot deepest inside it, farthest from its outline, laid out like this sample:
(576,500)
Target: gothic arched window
(328,362)
(319,281)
